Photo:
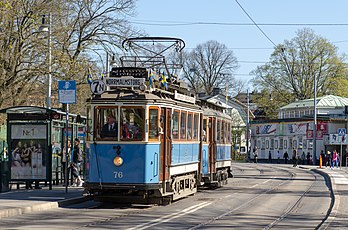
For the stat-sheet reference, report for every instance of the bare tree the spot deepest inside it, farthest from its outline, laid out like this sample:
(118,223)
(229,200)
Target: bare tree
(79,31)
(213,65)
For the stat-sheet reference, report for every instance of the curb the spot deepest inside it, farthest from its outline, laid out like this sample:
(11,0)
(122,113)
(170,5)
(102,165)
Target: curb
(42,207)
(335,200)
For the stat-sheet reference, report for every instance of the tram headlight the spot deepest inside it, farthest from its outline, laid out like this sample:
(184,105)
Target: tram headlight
(118,161)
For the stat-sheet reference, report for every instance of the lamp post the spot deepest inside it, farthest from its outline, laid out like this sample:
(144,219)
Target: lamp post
(47,28)
(315,122)
(247,128)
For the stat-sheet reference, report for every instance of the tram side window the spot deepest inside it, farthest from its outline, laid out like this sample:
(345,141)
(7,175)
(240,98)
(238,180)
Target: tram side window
(223,132)
(175,130)
(195,126)
(189,126)
(204,133)
(229,133)
(153,124)
(106,124)
(132,123)
(89,123)
(183,125)
(218,131)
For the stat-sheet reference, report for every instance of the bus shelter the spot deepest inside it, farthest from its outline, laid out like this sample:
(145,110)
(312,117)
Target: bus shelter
(35,140)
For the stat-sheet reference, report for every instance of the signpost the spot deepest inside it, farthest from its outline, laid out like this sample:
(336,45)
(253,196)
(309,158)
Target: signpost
(342,133)
(67,95)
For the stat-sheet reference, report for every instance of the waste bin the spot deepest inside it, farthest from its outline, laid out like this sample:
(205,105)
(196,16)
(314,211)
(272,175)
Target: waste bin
(4,171)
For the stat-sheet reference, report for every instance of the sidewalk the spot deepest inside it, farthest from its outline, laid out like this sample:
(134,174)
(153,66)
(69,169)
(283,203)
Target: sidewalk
(17,202)
(338,218)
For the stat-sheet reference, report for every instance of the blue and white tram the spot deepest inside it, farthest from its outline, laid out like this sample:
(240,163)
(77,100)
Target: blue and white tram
(153,152)
(216,146)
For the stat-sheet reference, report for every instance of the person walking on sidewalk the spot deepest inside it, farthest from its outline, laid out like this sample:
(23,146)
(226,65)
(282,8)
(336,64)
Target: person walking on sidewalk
(278,157)
(64,161)
(286,157)
(334,159)
(328,159)
(269,157)
(75,163)
(294,157)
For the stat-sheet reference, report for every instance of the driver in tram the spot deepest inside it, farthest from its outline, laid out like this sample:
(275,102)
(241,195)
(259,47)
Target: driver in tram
(110,128)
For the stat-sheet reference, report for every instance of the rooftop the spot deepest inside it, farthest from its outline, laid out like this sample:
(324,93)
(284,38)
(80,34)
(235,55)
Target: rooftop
(328,101)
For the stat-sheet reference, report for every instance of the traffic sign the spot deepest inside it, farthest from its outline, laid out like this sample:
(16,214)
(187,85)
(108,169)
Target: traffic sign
(67,92)
(98,87)
(342,132)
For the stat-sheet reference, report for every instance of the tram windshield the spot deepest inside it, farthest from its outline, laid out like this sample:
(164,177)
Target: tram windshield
(124,122)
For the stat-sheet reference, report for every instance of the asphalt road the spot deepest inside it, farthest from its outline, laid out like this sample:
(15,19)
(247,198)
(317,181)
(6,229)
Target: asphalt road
(261,196)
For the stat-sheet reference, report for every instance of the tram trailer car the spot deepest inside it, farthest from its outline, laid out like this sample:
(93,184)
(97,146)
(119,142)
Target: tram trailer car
(216,146)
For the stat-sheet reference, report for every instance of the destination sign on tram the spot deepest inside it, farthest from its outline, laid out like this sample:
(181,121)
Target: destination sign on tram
(125,82)
(128,71)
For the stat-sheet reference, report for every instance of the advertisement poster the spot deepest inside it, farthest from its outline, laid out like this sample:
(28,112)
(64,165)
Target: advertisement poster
(28,152)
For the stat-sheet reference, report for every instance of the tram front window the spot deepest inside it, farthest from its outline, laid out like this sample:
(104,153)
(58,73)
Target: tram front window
(107,122)
(132,123)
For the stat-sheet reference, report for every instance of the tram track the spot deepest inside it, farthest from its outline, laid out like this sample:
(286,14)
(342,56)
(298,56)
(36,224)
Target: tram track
(292,207)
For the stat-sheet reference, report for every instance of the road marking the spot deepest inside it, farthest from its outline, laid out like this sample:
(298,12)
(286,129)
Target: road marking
(171,216)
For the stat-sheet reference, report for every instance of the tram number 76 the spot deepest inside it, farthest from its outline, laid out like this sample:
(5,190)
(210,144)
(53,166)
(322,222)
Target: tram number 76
(118,174)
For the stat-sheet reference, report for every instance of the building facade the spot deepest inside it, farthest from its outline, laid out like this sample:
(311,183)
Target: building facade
(294,129)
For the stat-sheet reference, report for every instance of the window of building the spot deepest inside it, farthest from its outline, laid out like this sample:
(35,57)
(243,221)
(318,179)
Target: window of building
(280,143)
(285,144)
(276,144)
(272,143)
(267,144)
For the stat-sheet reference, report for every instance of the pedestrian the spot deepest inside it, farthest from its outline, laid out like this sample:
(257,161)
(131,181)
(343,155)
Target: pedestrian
(269,157)
(328,159)
(334,159)
(66,155)
(294,157)
(278,157)
(323,158)
(308,156)
(255,155)
(303,158)
(286,157)
(75,163)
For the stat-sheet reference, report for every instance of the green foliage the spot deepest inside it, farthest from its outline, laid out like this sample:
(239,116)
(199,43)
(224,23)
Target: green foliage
(293,67)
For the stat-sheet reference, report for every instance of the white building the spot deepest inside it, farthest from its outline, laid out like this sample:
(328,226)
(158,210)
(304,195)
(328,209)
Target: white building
(294,128)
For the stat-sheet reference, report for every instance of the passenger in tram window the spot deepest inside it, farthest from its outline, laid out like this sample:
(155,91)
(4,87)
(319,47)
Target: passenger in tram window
(110,128)
(204,136)
(126,133)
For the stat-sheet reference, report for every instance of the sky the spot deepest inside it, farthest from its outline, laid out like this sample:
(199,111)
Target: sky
(218,20)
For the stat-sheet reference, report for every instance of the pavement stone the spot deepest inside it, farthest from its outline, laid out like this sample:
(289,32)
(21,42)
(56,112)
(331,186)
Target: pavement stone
(22,201)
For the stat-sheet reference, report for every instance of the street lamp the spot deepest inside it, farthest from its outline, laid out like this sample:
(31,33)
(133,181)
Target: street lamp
(247,128)
(47,28)
(315,122)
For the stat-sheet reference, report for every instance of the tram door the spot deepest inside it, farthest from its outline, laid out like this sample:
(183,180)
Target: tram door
(212,143)
(166,142)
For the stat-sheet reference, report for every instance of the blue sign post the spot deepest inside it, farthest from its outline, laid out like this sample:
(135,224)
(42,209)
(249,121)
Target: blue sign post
(342,133)
(67,92)
(67,95)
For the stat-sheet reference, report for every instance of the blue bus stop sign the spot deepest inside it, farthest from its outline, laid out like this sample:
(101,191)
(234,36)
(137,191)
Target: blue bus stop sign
(67,92)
